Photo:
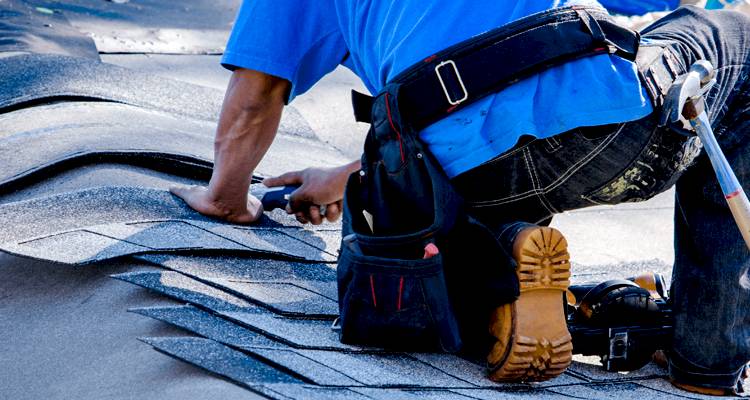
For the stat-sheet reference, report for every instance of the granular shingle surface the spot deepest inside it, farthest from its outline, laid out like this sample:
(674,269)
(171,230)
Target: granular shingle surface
(182,288)
(81,133)
(319,278)
(208,325)
(150,26)
(26,29)
(221,360)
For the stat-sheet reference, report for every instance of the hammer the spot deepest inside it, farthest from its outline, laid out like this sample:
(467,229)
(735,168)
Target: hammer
(685,107)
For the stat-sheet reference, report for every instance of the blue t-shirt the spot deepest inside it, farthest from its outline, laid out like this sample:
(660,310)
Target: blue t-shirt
(302,40)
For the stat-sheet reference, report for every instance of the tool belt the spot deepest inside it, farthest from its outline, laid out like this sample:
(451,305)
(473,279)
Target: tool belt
(415,269)
(485,64)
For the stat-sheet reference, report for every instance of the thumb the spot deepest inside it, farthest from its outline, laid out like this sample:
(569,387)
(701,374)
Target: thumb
(289,178)
(180,191)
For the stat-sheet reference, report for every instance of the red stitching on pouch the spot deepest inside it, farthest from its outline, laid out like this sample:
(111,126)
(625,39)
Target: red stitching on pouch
(400,293)
(372,288)
(398,134)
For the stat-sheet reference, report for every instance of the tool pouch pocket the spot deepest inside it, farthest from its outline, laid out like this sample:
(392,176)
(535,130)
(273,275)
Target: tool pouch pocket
(391,293)
(395,303)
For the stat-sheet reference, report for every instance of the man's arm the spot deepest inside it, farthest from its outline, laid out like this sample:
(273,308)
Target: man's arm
(249,119)
(247,126)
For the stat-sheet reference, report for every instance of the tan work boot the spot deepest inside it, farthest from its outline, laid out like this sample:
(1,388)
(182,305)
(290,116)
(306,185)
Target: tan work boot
(533,342)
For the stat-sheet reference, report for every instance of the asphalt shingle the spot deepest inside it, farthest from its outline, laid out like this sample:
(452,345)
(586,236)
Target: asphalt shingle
(591,369)
(182,288)
(308,392)
(477,374)
(220,360)
(150,26)
(320,373)
(81,133)
(103,242)
(619,391)
(27,29)
(208,325)
(301,333)
(56,76)
(317,277)
(281,297)
(398,370)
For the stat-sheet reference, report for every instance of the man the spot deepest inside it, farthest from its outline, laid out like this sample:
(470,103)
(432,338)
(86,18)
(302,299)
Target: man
(575,135)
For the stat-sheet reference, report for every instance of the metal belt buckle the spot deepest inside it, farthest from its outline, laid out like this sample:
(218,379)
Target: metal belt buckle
(445,88)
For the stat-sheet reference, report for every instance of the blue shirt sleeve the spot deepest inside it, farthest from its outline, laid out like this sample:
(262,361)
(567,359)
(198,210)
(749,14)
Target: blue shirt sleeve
(297,40)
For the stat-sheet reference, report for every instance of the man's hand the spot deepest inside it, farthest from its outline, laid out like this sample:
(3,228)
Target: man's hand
(319,187)
(202,200)
(249,119)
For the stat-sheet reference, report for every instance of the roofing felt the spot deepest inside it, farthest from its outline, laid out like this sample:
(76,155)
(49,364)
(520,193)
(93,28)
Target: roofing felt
(66,336)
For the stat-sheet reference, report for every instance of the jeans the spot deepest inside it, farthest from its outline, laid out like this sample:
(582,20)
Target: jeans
(636,160)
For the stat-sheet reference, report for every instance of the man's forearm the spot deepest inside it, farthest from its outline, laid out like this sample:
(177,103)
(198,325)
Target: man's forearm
(249,119)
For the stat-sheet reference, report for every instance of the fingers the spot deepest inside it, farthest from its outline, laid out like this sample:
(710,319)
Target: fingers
(311,215)
(314,215)
(333,211)
(289,178)
(199,199)
(301,218)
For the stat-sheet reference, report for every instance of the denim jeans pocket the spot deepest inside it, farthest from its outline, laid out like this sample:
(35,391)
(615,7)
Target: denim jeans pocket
(654,170)
(396,303)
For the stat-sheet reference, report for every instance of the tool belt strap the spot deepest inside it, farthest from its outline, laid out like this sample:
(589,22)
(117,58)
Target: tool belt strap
(468,71)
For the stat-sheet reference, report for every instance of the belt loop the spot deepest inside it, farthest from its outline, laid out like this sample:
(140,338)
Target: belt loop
(672,62)
(592,25)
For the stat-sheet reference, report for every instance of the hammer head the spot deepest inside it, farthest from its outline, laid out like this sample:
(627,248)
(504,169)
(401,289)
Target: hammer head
(689,87)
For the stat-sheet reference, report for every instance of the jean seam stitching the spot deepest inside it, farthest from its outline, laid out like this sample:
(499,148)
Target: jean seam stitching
(585,160)
(536,183)
(509,153)
(559,181)
(504,200)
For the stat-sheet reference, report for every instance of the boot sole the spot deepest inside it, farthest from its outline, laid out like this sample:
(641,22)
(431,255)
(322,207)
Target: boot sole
(533,343)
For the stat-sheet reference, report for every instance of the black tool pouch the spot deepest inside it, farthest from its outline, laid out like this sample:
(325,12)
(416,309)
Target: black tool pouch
(393,286)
